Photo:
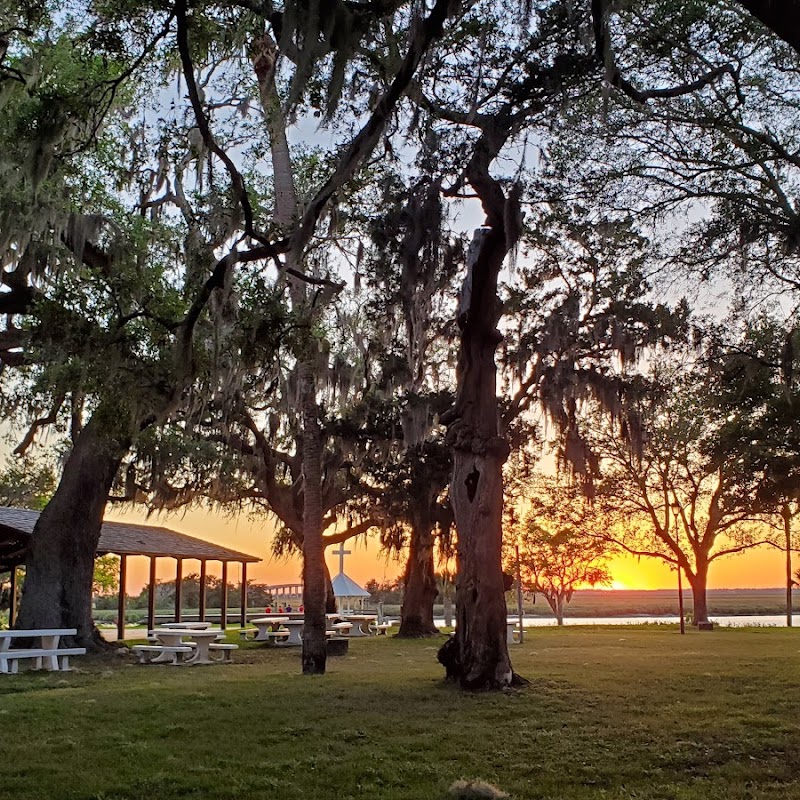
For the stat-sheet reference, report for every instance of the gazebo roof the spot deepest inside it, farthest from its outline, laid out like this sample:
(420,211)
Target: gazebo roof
(122,538)
(344,586)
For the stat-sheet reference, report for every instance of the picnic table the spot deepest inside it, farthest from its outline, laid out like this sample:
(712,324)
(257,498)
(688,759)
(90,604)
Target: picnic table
(268,627)
(188,625)
(295,628)
(362,623)
(48,654)
(510,631)
(200,639)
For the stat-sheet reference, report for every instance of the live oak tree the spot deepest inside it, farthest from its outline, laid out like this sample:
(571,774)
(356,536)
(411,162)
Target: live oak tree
(310,31)
(26,483)
(559,550)
(499,86)
(699,135)
(672,500)
(61,92)
(97,453)
(753,381)
(409,276)
(492,115)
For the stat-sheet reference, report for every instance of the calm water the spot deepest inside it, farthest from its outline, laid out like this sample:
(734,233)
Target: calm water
(743,621)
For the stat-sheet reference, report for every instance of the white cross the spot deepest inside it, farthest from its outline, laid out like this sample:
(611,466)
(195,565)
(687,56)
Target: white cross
(341,552)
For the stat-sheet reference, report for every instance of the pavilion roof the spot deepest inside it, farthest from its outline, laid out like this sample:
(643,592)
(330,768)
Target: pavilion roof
(344,586)
(121,538)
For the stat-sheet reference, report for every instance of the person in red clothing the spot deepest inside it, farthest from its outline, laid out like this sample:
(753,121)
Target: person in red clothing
(268,610)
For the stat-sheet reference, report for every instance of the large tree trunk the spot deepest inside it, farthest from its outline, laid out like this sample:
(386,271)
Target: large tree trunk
(60,560)
(559,609)
(419,589)
(476,491)
(699,583)
(314,577)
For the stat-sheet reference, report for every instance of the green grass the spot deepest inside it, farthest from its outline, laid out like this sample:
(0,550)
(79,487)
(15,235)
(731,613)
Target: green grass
(610,713)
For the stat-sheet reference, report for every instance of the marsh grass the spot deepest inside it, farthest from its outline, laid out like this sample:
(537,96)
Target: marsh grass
(610,713)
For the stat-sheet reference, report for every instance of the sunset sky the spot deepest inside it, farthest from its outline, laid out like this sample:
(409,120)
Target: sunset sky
(755,569)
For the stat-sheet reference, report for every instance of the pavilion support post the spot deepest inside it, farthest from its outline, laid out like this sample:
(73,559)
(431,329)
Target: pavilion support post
(203,578)
(123,575)
(178,588)
(12,608)
(244,594)
(223,611)
(151,596)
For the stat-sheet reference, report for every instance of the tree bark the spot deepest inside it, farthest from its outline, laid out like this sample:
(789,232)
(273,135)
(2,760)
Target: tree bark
(60,560)
(699,583)
(314,578)
(477,484)
(419,591)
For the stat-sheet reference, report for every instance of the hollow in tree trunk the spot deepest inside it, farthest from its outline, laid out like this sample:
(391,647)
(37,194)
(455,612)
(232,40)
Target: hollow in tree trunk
(60,559)
(476,490)
(419,584)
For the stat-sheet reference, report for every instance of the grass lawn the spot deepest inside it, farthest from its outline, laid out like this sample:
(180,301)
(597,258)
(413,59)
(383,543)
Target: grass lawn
(611,713)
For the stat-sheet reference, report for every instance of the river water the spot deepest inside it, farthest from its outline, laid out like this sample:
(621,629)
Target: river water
(740,621)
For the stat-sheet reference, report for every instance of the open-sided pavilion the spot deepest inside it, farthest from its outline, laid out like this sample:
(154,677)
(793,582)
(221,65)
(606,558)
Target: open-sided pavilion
(126,539)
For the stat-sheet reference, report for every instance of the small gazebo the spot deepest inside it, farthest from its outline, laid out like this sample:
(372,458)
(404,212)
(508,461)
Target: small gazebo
(349,595)
(126,539)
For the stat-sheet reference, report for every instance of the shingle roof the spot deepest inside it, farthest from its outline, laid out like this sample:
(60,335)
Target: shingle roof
(122,538)
(344,586)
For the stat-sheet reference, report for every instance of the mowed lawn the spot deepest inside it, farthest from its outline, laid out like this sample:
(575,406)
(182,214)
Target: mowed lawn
(623,712)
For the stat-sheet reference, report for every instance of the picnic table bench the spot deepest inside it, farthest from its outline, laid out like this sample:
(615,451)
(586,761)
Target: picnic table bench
(380,628)
(147,652)
(171,648)
(47,655)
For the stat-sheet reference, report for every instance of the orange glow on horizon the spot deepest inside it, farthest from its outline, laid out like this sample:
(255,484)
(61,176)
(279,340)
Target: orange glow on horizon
(756,569)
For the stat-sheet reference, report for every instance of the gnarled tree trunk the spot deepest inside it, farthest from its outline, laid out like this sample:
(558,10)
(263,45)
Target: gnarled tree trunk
(60,560)
(476,490)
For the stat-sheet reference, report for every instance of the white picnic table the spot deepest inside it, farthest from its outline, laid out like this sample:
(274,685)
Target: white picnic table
(201,637)
(267,626)
(510,627)
(362,623)
(46,654)
(295,628)
(188,625)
